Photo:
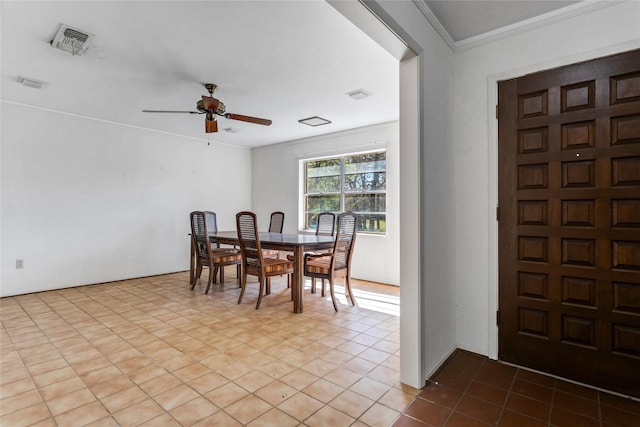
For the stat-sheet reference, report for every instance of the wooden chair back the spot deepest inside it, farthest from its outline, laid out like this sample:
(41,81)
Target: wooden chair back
(247,228)
(199,234)
(211,221)
(326,224)
(345,240)
(277,222)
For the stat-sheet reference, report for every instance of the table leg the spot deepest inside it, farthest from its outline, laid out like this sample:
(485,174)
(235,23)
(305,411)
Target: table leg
(297,282)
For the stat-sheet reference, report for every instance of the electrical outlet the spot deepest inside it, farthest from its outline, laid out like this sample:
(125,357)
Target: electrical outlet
(19,263)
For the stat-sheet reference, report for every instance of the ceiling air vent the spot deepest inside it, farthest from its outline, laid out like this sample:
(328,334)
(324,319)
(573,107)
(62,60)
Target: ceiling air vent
(72,40)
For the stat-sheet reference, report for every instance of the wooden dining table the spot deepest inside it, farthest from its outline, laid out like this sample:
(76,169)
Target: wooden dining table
(298,244)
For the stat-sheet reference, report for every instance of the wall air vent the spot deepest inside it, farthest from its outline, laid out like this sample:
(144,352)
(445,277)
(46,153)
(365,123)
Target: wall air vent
(72,40)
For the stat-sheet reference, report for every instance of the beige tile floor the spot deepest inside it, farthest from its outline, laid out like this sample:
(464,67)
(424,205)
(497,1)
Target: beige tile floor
(152,352)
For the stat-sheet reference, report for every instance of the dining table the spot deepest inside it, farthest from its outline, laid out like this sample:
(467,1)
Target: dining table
(297,243)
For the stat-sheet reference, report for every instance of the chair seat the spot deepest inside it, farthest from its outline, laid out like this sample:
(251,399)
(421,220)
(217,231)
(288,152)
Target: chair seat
(318,265)
(273,266)
(322,265)
(224,256)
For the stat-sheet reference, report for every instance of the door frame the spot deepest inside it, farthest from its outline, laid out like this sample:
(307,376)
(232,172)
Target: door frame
(492,126)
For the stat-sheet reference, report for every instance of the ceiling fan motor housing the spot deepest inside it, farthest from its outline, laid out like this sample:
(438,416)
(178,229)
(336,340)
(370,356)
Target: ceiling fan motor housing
(219,111)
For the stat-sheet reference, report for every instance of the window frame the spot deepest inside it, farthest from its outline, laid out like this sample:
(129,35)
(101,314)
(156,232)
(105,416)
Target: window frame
(304,226)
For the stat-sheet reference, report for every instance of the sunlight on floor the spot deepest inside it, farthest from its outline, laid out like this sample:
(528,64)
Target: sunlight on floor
(376,297)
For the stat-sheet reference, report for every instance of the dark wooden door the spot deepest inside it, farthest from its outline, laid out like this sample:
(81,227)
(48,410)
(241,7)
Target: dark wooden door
(569,227)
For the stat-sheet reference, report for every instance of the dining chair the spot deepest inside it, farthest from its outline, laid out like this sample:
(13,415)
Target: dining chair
(207,254)
(253,261)
(276,223)
(211,220)
(325,226)
(337,261)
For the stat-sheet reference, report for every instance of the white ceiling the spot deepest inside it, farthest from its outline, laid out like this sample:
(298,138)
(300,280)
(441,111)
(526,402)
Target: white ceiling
(465,19)
(281,60)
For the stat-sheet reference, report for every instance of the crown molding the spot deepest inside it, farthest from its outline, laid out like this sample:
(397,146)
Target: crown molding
(114,123)
(585,6)
(435,23)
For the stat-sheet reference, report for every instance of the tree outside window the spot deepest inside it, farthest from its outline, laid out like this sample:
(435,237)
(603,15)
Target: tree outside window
(355,182)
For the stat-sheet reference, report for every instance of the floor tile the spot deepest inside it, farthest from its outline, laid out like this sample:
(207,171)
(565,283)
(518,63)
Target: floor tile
(20,401)
(396,399)
(379,416)
(82,415)
(175,397)
(406,421)
(352,404)
(300,406)
(247,409)
(123,399)
(478,409)
(370,388)
(26,416)
(457,419)
(323,390)
(427,412)
(138,413)
(219,419)
(194,411)
(274,417)
(328,416)
(275,392)
(70,401)
(152,352)
(226,395)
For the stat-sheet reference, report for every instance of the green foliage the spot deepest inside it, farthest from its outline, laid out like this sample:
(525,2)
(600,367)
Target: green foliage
(356,183)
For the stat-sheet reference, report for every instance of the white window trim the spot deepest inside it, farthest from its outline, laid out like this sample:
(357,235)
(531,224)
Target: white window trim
(375,147)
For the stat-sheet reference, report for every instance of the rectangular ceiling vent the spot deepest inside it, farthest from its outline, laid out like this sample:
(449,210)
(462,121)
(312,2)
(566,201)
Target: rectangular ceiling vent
(72,40)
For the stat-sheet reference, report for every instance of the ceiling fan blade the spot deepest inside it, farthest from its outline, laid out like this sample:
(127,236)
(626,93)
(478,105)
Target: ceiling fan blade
(210,103)
(249,119)
(210,126)
(170,111)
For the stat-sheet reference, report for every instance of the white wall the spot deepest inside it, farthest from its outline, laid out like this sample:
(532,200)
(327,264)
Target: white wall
(433,297)
(276,186)
(605,31)
(86,201)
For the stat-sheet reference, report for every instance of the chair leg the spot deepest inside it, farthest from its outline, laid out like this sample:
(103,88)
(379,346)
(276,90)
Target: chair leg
(215,274)
(322,284)
(238,268)
(347,288)
(262,282)
(196,276)
(212,278)
(333,297)
(222,274)
(268,290)
(313,285)
(243,284)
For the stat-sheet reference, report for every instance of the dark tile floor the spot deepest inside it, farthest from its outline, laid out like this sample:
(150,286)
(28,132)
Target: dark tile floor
(472,390)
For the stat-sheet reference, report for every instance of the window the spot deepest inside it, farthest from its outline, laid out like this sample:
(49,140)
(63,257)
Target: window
(355,182)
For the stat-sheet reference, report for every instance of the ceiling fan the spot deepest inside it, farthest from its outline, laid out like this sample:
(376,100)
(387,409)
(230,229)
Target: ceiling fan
(213,107)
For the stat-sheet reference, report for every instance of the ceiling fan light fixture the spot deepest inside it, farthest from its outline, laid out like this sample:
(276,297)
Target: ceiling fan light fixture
(314,121)
(358,94)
